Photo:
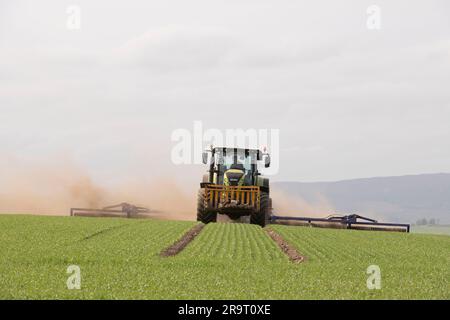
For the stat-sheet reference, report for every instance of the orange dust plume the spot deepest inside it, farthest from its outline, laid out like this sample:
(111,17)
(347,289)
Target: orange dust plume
(295,206)
(53,187)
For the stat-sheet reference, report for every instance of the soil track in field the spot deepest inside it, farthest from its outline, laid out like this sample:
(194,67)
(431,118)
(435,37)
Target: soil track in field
(95,234)
(290,251)
(183,242)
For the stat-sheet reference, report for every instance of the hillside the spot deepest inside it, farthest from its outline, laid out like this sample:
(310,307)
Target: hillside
(397,199)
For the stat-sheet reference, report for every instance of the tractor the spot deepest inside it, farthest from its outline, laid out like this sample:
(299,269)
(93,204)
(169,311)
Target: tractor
(234,187)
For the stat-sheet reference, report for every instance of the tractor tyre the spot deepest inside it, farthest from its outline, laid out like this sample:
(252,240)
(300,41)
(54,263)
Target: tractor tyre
(203,215)
(262,217)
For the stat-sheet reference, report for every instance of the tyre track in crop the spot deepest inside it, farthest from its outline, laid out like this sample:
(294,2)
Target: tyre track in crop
(288,249)
(181,243)
(103,231)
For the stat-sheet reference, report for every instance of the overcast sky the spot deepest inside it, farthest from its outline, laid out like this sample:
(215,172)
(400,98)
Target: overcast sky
(349,101)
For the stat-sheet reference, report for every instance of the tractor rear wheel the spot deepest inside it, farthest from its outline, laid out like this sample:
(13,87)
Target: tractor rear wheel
(203,215)
(262,217)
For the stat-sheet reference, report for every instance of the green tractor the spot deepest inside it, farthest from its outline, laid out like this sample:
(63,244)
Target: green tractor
(234,187)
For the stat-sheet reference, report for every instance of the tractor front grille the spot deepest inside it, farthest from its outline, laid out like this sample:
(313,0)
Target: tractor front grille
(220,196)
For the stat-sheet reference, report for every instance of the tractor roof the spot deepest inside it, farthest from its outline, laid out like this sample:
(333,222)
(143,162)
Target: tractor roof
(245,151)
(237,149)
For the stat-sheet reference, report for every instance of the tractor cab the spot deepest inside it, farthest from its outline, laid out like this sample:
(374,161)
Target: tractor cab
(234,166)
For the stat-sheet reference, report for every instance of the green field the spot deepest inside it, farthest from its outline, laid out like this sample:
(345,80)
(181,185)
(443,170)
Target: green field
(437,229)
(119,259)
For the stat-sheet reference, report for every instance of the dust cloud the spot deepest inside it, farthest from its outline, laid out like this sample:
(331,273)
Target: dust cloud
(294,206)
(162,194)
(53,187)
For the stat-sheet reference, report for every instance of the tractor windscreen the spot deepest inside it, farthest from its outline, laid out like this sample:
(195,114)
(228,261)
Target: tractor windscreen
(236,159)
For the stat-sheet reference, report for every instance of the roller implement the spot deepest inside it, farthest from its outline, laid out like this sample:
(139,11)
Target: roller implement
(124,209)
(234,187)
(352,221)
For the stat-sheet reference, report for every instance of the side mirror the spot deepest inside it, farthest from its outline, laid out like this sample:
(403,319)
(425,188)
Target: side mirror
(258,155)
(205,157)
(267,161)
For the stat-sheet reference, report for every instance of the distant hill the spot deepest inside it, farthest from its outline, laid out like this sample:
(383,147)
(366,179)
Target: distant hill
(396,199)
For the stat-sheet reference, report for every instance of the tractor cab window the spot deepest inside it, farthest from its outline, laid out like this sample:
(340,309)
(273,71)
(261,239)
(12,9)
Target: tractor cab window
(240,162)
(231,159)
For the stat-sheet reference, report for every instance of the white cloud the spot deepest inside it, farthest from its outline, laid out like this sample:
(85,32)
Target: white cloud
(175,48)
